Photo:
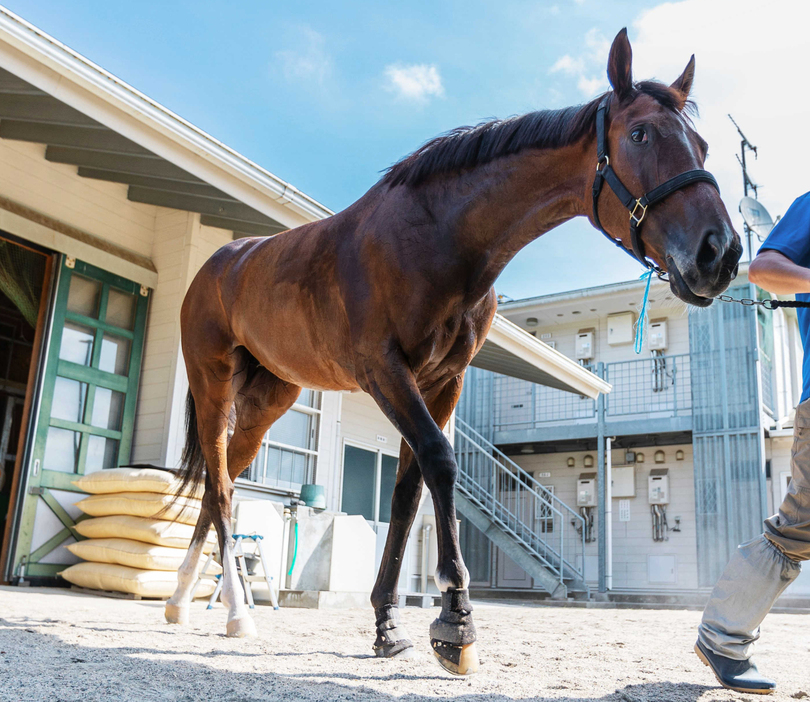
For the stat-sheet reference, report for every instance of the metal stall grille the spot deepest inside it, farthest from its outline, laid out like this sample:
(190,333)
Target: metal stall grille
(727,438)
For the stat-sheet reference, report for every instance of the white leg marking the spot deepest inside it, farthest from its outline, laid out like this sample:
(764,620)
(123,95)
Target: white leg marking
(240,623)
(443,584)
(177,606)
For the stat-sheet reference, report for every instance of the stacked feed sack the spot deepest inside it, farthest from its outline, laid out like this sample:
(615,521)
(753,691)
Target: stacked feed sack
(136,538)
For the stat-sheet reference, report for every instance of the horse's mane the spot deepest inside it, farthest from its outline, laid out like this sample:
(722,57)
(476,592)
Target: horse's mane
(468,147)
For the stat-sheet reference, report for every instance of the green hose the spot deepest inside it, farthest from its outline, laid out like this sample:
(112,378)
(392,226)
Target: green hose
(295,550)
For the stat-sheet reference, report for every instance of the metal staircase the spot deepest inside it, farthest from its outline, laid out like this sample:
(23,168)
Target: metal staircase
(524,519)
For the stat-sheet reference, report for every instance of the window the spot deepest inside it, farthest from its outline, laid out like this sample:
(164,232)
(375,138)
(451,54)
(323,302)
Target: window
(369,477)
(289,451)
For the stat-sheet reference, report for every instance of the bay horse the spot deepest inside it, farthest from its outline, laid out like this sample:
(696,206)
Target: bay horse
(394,296)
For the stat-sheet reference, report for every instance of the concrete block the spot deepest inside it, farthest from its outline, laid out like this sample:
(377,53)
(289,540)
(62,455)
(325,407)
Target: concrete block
(351,567)
(324,599)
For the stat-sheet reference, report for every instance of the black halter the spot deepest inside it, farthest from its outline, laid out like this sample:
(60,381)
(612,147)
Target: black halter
(637,207)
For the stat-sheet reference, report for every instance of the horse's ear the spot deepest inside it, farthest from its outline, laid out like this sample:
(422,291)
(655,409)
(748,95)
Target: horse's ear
(620,61)
(683,84)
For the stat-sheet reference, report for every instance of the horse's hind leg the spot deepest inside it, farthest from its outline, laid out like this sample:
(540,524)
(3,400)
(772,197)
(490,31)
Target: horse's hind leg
(177,606)
(392,639)
(453,634)
(261,398)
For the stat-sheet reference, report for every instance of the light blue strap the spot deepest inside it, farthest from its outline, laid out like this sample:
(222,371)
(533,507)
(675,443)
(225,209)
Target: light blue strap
(641,324)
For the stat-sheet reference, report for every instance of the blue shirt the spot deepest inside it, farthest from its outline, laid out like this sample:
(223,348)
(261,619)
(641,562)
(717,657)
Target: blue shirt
(791,238)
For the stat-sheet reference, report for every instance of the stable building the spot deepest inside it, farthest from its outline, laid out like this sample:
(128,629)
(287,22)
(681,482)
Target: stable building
(679,464)
(109,204)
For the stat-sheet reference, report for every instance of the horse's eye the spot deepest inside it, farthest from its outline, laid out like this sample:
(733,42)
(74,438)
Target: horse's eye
(639,136)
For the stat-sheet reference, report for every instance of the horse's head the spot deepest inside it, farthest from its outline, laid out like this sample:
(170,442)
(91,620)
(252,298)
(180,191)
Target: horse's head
(650,139)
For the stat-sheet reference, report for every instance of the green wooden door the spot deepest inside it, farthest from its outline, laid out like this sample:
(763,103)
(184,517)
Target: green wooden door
(87,405)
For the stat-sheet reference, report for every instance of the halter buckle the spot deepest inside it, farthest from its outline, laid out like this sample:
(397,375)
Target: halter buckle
(604,162)
(638,219)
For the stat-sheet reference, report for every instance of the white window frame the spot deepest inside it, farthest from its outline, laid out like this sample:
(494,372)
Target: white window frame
(380,452)
(314,453)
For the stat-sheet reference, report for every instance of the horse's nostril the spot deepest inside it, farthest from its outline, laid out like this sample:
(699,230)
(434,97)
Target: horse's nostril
(735,271)
(710,252)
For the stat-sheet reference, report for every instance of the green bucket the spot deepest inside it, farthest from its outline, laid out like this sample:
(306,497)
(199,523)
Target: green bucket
(313,496)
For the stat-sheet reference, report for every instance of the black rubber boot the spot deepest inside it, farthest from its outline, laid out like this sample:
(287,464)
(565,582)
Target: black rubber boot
(452,635)
(392,639)
(740,676)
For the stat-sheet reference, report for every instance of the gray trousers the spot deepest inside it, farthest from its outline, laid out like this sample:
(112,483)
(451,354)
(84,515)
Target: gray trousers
(761,569)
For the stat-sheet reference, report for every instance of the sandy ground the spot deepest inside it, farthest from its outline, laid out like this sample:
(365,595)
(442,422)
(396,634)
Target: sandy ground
(59,645)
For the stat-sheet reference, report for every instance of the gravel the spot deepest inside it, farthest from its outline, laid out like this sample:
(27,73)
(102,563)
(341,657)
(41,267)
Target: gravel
(69,647)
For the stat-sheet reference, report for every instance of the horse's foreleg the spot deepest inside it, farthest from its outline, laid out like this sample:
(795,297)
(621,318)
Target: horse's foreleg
(177,607)
(392,639)
(453,633)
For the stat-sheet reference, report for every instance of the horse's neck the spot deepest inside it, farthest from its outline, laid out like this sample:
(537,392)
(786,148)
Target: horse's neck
(501,207)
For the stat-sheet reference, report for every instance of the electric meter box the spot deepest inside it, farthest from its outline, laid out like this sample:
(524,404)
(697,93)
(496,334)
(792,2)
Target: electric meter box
(620,328)
(585,346)
(623,482)
(586,490)
(658,486)
(658,335)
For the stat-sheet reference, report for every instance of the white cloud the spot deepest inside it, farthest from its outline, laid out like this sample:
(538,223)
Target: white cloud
(590,87)
(588,66)
(414,82)
(598,45)
(760,82)
(567,65)
(310,63)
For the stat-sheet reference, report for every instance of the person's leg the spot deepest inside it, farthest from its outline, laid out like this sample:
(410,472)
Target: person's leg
(758,573)
(753,580)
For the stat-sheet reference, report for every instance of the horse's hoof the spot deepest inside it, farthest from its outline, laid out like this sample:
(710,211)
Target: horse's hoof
(241,628)
(456,660)
(392,639)
(401,650)
(452,635)
(176,614)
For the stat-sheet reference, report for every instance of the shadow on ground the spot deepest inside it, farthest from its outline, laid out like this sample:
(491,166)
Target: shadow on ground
(71,672)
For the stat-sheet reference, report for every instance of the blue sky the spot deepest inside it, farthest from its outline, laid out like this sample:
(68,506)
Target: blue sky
(326,95)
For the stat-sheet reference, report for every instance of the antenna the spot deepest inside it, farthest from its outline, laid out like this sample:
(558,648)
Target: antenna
(746,145)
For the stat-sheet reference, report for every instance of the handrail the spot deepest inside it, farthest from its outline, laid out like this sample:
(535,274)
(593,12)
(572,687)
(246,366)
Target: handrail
(513,499)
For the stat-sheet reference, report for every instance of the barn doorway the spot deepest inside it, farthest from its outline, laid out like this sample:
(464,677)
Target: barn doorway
(23,274)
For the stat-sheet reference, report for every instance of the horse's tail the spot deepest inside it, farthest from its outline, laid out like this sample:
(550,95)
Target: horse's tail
(192,462)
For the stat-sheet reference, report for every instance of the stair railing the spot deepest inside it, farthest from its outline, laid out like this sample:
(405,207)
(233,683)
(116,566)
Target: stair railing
(539,521)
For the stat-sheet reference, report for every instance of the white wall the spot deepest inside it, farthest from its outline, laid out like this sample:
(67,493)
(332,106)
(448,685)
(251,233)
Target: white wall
(565,335)
(93,206)
(632,540)
(181,247)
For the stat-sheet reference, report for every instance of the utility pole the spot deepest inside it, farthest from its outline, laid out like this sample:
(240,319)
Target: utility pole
(746,145)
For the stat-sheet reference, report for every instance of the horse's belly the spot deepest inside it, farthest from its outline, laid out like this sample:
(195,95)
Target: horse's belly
(305,366)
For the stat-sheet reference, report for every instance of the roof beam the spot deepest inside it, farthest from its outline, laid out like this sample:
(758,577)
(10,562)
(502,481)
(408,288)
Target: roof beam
(123,163)
(228,209)
(42,108)
(12,85)
(242,229)
(175,186)
(90,138)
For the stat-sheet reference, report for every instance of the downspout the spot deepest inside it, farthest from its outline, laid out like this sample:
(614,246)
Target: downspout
(609,513)
(601,484)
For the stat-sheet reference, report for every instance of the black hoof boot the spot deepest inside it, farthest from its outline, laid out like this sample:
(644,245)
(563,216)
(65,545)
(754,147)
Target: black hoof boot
(392,639)
(740,676)
(452,635)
